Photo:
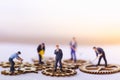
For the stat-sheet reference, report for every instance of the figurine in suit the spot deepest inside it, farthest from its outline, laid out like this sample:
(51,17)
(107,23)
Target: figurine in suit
(100,54)
(59,54)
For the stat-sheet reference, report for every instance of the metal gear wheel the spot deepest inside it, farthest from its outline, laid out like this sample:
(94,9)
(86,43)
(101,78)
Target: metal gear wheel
(73,65)
(101,69)
(58,73)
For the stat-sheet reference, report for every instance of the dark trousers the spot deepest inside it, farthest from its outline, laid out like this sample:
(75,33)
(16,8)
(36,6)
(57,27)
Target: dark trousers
(56,64)
(12,63)
(104,60)
(40,59)
(73,55)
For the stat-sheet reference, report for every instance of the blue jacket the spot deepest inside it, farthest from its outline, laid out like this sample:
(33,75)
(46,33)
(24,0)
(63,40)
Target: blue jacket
(100,51)
(59,54)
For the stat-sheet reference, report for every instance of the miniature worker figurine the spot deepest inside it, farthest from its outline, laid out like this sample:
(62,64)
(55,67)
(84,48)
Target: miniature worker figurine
(59,54)
(41,51)
(73,46)
(12,63)
(100,54)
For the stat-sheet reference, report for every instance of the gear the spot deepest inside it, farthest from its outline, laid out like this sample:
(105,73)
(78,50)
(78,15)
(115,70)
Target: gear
(93,69)
(73,65)
(22,70)
(7,64)
(58,73)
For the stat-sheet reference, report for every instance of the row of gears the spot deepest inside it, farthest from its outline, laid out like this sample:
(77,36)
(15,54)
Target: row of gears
(69,68)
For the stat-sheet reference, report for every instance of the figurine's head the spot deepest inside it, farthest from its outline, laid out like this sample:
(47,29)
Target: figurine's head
(19,52)
(94,48)
(43,44)
(57,46)
(73,38)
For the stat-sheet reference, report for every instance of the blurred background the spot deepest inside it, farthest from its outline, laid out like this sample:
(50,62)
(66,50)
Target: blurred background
(57,21)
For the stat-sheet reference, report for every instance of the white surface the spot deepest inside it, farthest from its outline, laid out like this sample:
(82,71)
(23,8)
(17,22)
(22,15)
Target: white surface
(83,52)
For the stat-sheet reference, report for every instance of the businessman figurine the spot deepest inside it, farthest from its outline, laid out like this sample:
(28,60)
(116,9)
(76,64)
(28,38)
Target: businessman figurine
(59,54)
(100,54)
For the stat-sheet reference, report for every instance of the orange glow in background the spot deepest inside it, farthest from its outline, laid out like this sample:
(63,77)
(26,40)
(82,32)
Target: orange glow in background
(52,21)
